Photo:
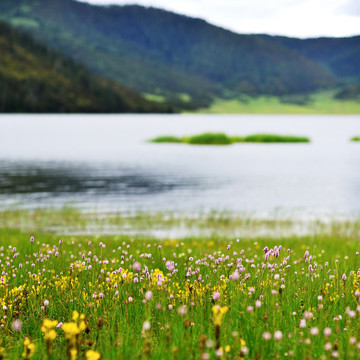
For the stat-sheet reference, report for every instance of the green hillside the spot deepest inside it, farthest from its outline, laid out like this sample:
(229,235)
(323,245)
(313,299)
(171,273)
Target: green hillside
(184,60)
(34,79)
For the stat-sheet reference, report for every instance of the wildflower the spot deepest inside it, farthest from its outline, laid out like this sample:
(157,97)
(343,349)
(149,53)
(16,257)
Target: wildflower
(146,326)
(92,355)
(236,275)
(219,314)
(314,331)
(352,340)
(219,352)
(75,315)
(16,325)
(70,329)
(266,336)
(182,310)
(29,349)
(327,331)
(216,295)
(148,295)
(46,303)
(278,335)
(49,333)
(302,323)
(344,277)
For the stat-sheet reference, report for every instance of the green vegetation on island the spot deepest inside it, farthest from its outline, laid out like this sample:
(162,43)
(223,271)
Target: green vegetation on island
(355,138)
(223,139)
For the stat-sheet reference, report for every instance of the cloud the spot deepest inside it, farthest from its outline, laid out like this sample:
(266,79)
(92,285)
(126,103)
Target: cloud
(350,7)
(298,18)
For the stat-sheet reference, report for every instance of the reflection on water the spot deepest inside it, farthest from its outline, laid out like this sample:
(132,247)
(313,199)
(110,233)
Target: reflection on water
(105,162)
(59,179)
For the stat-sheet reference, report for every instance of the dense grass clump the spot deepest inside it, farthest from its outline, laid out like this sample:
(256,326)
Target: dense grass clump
(223,139)
(166,139)
(272,138)
(355,138)
(209,139)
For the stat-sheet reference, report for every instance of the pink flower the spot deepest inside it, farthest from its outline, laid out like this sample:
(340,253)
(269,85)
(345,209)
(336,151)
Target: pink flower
(314,331)
(278,335)
(216,296)
(148,295)
(17,325)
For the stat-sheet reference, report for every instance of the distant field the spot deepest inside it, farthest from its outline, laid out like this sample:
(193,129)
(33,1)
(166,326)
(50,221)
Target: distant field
(319,103)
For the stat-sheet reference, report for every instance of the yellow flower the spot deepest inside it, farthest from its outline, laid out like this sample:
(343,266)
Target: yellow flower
(51,335)
(70,329)
(242,342)
(92,355)
(219,314)
(227,348)
(29,349)
(50,323)
(75,315)
(73,354)
(82,325)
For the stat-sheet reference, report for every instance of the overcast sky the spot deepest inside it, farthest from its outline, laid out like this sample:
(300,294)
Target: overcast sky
(299,18)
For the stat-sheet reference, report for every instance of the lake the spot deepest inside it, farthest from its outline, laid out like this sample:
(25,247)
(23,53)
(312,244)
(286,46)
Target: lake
(104,162)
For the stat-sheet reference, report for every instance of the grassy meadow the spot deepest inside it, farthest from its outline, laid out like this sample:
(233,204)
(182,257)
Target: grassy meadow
(318,103)
(215,296)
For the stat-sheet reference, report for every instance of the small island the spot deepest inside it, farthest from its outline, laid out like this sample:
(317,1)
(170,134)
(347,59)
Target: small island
(223,139)
(355,138)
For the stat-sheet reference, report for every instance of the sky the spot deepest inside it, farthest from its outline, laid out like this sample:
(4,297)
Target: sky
(295,18)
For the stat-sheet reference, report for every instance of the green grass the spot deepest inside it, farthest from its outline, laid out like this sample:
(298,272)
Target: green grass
(355,138)
(208,139)
(272,138)
(223,139)
(177,319)
(154,97)
(166,139)
(317,103)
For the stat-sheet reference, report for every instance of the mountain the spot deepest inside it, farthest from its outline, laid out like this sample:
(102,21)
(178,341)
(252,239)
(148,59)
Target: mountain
(340,55)
(34,79)
(183,60)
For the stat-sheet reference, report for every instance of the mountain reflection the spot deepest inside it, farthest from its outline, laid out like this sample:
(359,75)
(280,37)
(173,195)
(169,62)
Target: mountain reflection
(64,178)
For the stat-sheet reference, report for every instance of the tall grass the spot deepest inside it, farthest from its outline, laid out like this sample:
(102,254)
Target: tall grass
(191,298)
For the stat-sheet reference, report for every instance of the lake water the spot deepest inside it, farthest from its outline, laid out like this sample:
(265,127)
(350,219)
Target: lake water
(104,162)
